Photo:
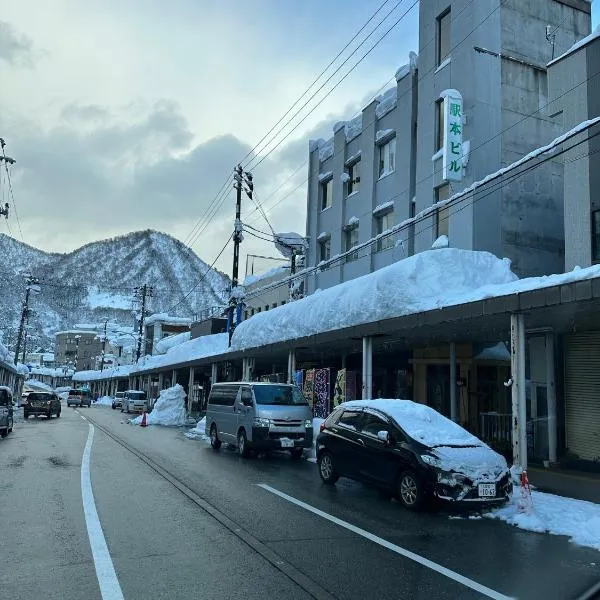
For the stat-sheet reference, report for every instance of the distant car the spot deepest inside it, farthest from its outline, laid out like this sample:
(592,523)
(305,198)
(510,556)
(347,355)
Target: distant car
(134,401)
(42,403)
(79,397)
(6,411)
(118,400)
(411,451)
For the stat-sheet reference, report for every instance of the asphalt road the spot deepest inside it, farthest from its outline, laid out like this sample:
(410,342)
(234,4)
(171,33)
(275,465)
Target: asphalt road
(182,521)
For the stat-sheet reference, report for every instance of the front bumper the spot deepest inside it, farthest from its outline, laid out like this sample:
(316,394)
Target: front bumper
(37,410)
(468,491)
(267,439)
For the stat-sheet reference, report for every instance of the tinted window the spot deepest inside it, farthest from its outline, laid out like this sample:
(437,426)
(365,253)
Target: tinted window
(286,395)
(223,395)
(3,398)
(137,395)
(36,396)
(76,393)
(350,419)
(374,424)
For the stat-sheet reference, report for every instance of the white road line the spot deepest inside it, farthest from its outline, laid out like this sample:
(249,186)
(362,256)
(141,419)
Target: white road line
(482,589)
(105,570)
(83,417)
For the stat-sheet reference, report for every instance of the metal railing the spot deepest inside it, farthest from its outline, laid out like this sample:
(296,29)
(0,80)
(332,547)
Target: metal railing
(496,430)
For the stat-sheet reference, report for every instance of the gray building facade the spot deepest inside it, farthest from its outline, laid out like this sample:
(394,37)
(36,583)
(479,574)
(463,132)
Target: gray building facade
(77,349)
(494,55)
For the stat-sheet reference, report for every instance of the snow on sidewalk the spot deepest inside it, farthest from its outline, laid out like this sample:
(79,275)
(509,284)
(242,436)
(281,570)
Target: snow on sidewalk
(103,401)
(197,433)
(169,409)
(577,519)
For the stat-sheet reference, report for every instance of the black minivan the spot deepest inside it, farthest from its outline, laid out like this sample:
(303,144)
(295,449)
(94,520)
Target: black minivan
(411,451)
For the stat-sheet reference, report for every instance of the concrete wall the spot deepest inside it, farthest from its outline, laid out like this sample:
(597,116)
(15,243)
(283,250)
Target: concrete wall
(273,297)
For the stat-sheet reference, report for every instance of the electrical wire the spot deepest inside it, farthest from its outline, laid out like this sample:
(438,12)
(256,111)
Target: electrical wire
(12,195)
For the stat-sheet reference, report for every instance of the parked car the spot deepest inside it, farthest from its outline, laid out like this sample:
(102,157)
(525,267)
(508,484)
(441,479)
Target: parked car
(134,401)
(42,403)
(411,451)
(259,416)
(79,397)
(6,411)
(118,400)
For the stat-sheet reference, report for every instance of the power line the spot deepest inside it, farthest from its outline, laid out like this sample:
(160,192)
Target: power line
(10,188)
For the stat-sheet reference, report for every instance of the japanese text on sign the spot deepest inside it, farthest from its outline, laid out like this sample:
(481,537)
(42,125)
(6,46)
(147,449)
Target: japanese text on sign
(453,136)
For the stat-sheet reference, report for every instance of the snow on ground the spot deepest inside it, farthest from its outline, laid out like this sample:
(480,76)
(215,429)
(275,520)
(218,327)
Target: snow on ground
(98,299)
(164,345)
(577,519)
(38,385)
(103,401)
(169,409)
(197,433)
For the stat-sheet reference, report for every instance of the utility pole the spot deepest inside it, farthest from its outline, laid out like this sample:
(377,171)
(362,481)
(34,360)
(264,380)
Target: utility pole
(7,160)
(144,292)
(31,281)
(237,238)
(103,346)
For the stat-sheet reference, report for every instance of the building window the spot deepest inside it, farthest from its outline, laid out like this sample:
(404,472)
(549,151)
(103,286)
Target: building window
(387,157)
(326,193)
(353,178)
(246,315)
(439,125)
(351,241)
(324,250)
(442,219)
(443,36)
(282,302)
(384,223)
(259,309)
(596,236)
(266,307)
(274,305)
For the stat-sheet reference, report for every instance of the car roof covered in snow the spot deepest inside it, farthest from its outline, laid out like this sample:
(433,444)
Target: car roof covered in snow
(421,422)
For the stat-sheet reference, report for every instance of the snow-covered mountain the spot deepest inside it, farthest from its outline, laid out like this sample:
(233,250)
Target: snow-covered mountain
(97,281)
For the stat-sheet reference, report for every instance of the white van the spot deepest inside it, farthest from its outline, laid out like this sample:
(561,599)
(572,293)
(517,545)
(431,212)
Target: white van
(259,416)
(134,401)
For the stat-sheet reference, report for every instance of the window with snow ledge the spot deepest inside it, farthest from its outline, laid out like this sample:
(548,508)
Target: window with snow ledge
(353,178)
(384,222)
(324,249)
(351,239)
(387,157)
(326,191)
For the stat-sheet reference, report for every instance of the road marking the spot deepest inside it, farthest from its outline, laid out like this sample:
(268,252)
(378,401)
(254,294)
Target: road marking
(105,570)
(482,589)
(83,417)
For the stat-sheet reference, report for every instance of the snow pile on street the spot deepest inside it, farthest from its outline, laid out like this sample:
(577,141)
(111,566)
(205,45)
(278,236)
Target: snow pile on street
(38,385)
(207,345)
(577,519)
(197,433)
(103,401)
(169,409)
(425,281)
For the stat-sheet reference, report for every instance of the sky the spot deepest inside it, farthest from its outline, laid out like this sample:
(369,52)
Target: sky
(131,114)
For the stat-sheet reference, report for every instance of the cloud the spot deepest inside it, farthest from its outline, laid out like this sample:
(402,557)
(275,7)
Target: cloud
(15,49)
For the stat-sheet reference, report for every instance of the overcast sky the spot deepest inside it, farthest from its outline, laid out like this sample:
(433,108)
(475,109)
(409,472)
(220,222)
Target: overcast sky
(129,114)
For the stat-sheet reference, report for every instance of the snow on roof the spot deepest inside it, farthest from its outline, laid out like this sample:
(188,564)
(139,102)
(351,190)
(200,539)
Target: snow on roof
(441,242)
(580,44)
(325,149)
(57,372)
(421,282)
(122,371)
(282,270)
(164,345)
(420,422)
(76,332)
(324,235)
(207,345)
(34,383)
(386,102)
(383,134)
(325,176)
(402,72)
(386,206)
(48,356)
(425,281)
(166,319)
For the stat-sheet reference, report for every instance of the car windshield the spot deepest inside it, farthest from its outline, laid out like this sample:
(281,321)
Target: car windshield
(76,393)
(279,395)
(39,397)
(137,395)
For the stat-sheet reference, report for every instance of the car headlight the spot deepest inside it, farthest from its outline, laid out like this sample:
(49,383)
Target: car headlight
(431,460)
(258,422)
(308,423)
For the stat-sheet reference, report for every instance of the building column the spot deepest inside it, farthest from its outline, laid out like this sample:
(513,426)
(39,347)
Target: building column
(291,365)
(190,389)
(551,397)
(213,374)
(173,377)
(161,381)
(519,408)
(367,368)
(454,414)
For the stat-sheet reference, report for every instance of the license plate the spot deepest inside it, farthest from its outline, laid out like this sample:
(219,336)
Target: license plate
(487,490)
(285,443)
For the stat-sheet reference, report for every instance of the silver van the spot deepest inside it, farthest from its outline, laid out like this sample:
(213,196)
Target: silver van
(134,401)
(259,416)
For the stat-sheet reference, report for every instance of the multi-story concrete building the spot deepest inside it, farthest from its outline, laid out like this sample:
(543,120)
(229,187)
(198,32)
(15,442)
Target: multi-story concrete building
(77,348)
(259,300)
(160,326)
(399,157)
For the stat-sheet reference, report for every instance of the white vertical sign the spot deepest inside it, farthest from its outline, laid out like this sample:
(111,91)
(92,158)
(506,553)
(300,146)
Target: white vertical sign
(453,135)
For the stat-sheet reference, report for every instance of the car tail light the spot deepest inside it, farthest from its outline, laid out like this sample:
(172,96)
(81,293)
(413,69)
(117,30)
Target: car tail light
(322,426)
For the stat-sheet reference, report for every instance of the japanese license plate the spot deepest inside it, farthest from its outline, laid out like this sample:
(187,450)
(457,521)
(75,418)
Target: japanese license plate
(487,490)
(287,443)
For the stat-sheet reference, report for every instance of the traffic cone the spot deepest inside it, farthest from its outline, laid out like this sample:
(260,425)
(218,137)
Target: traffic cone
(143,423)
(525,501)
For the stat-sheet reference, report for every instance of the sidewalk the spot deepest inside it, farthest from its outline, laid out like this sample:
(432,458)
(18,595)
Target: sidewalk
(573,484)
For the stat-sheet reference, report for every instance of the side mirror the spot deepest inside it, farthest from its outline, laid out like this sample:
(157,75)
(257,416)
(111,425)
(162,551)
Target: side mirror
(384,436)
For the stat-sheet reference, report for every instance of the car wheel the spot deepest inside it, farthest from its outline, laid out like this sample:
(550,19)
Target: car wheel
(113,407)
(297,453)
(410,490)
(4,433)
(242,444)
(215,442)
(10,426)
(326,468)
(58,414)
